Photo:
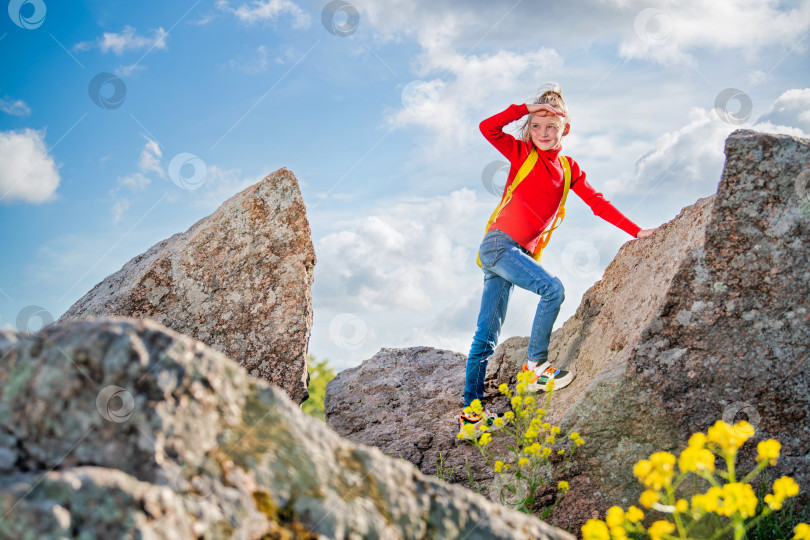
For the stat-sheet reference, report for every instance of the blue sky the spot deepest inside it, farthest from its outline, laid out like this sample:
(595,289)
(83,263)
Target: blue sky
(376,112)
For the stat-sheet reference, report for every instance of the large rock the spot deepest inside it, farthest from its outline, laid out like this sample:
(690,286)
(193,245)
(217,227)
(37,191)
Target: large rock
(122,428)
(238,280)
(428,383)
(706,319)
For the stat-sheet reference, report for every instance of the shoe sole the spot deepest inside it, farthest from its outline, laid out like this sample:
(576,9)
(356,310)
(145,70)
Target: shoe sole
(558,383)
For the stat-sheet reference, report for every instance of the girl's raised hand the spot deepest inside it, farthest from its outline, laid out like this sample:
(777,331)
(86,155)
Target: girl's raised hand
(643,233)
(543,109)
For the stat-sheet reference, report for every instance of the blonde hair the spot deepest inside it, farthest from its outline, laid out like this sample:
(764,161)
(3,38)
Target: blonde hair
(551,94)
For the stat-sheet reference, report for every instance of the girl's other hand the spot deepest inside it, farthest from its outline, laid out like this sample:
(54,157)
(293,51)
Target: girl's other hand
(543,109)
(643,233)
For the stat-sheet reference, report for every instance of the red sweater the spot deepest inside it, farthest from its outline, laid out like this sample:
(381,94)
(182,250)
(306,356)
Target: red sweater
(535,201)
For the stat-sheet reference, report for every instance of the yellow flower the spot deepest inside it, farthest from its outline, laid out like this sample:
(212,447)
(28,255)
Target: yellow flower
(614,517)
(728,438)
(648,498)
(516,401)
(532,449)
(562,486)
(801,532)
(546,426)
(551,439)
(658,529)
(523,461)
(498,422)
(696,459)
(595,529)
(555,430)
(574,435)
(521,388)
(783,488)
(634,515)
(579,442)
(528,401)
(768,450)
(681,506)
(561,451)
(737,498)
(550,385)
(656,472)
(508,415)
(476,406)
(483,427)
(697,440)
(707,502)
(546,451)
(486,438)
(498,466)
(504,389)
(618,533)
(467,432)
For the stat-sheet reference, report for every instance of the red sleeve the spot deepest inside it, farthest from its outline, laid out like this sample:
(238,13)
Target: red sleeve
(600,206)
(492,128)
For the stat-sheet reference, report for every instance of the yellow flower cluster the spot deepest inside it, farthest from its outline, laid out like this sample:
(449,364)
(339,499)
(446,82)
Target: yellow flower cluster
(801,532)
(768,451)
(656,472)
(727,439)
(576,438)
(783,488)
(696,457)
(562,486)
(733,498)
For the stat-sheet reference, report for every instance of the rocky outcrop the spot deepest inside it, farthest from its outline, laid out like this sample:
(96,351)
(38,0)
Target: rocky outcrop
(122,428)
(238,280)
(707,318)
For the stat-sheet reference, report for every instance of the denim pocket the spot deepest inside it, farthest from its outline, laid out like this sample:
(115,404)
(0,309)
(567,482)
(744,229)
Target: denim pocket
(490,247)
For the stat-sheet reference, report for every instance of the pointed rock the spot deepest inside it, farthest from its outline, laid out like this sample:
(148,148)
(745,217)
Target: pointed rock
(239,280)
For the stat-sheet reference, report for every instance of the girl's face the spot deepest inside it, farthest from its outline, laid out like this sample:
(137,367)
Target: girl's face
(547,131)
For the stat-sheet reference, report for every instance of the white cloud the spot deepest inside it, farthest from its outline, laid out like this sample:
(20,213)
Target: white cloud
(148,162)
(267,10)
(792,108)
(452,105)
(27,172)
(119,207)
(15,107)
(671,31)
(127,40)
(150,158)
(691,158)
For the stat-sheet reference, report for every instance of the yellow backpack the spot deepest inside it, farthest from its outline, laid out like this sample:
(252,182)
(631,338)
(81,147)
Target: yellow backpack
(522,173)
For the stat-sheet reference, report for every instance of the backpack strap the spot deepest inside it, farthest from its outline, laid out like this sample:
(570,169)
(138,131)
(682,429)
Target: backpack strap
(523,172)
(545,237)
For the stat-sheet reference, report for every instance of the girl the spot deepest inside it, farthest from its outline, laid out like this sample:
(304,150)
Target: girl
(508,251)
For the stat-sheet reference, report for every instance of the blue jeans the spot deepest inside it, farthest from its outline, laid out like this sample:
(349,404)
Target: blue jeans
(506,263)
